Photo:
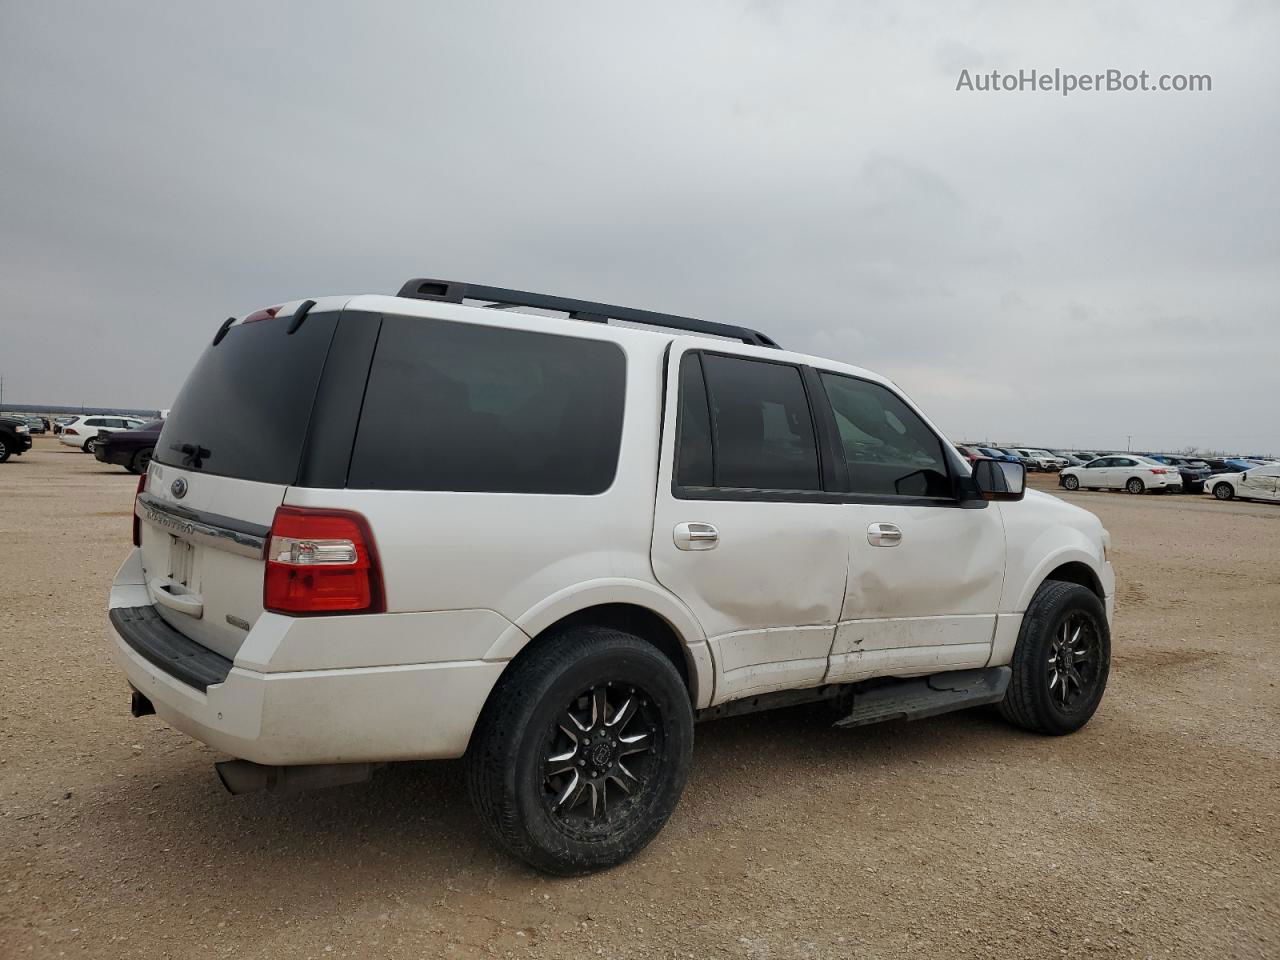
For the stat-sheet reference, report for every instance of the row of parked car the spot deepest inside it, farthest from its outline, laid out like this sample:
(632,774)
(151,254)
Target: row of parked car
(126,441)
(1225,477)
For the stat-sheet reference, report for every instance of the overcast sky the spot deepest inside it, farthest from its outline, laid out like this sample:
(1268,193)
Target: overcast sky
(1029,267)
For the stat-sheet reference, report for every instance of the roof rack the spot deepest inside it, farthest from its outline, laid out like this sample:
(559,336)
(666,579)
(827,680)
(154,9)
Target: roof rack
(451,291)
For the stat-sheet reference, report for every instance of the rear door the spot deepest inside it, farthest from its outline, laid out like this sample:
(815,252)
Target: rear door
(744,532)
(229,450)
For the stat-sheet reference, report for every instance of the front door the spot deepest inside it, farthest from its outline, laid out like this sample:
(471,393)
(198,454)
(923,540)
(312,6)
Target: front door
(1259,484)
(925,574)
(743,532)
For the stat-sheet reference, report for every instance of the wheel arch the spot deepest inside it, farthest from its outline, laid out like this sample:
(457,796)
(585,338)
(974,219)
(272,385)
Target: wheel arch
(1072,565)
(642,609)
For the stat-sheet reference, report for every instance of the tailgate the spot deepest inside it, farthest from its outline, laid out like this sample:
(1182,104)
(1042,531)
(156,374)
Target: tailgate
(203,547)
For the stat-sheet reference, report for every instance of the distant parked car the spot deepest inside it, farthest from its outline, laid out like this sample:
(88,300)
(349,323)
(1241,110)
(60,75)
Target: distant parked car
(15,437)
(1194,472)
(131,449)
(60,422)
(1071,459)
(971,454)
(1219,465)
(995,453)
(83,432)
(1131,472)
(1259,483)
(1041,460)
(35,424)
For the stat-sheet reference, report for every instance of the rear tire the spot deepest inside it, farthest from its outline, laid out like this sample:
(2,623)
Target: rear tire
(88,445)
(582,751)
(1135,485)
(1223,491)
(141,460)
(1071,482)
(1061,662)
(4,451)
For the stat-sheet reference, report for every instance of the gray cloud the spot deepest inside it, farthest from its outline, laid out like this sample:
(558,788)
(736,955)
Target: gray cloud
(1058,270)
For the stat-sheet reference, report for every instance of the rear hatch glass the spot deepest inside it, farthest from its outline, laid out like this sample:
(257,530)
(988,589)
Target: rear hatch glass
(244,409)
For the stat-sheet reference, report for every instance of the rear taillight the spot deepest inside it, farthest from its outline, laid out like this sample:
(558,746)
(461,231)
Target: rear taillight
(70,431)
(1159,470)
(321,561)
(137,524)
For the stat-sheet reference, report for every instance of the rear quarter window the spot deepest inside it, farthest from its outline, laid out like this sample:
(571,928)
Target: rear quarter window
(474,408)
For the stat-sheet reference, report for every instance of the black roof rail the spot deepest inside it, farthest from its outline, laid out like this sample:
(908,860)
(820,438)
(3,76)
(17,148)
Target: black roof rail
(451,291)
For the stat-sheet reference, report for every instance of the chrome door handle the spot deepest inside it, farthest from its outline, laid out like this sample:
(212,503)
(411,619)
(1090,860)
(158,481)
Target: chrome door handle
(696,536)
(884,534)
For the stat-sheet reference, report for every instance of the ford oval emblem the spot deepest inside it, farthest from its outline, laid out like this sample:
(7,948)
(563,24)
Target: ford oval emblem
(179,487)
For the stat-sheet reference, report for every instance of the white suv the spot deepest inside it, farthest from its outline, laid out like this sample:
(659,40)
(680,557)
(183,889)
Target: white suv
(598,535)
(83,431)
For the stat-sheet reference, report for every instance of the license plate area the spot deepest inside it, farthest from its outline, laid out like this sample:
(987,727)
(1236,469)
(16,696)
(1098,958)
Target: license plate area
(182,562)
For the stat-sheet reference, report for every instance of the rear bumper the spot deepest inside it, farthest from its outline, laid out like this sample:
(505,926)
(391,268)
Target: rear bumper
(346,715)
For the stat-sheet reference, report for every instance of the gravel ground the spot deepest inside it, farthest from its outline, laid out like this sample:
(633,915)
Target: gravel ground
(1151,833)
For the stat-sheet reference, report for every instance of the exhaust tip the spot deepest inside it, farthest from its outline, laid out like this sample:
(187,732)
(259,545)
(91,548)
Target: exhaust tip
(243,776)
(139,705)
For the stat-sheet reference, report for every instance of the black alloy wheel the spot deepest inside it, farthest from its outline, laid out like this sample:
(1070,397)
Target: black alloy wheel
(1061,662)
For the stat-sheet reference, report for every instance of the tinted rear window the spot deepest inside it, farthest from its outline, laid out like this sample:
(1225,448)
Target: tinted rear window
(247,403)
(464,407)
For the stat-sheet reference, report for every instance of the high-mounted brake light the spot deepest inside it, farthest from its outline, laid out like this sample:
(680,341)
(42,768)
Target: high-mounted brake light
(257,315)
(137,524)
(321,561)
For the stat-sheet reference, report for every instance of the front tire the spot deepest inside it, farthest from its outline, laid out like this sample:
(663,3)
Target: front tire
(1061,662)
(1071,482)
(1135,485)
(1223,491)
(582,751)
(4,451)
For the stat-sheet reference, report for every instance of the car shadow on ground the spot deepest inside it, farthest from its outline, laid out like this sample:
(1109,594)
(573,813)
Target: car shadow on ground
(415,818)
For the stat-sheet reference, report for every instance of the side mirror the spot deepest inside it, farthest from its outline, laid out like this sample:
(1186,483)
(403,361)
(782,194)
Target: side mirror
(1000,479)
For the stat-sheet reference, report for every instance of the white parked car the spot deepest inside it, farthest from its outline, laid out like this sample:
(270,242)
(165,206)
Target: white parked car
(82,431)
(1130,472)
(1045,460)
(1262,483)
(598,535)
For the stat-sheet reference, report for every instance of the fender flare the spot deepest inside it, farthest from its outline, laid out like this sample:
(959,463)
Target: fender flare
(611,590)
(1067,554)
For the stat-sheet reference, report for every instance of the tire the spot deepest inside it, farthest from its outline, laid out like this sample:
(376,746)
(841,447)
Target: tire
(141,460)
(1071,482)
(1055,689)
(4,450)
(536,771)
(1135,485)
(88,445)
(1223,491)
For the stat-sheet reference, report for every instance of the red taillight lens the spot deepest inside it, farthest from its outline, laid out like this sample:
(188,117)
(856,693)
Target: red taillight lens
(321,561)
(137,524)
(70,431)
(1159,470)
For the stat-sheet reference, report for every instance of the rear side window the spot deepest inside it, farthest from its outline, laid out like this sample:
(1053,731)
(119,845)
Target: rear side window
(889,449)
(244,409)
(471,408)
(762,435)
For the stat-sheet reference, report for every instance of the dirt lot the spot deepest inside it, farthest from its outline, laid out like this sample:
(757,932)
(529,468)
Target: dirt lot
(1153,832)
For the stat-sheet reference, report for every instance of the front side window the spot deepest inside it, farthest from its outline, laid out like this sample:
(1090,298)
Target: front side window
(890,451)
(757,419)
(473,408)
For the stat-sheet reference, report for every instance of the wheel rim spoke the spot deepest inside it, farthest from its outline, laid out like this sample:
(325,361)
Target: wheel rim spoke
(560,763)
(636,743)
(622,716)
